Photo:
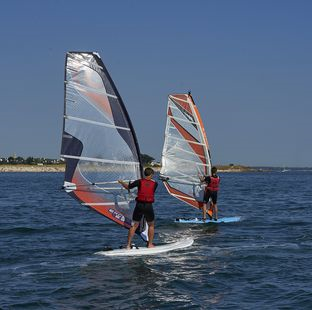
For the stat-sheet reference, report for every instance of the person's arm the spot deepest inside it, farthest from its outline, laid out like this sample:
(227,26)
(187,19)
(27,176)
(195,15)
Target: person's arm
(124,184)
(129,185)
(201,178)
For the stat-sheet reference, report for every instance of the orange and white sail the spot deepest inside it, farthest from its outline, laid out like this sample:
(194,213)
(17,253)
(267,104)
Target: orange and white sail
(185,154)
(99,144)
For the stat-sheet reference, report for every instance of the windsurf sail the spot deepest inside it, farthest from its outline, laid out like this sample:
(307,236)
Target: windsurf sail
(185,154)
(99,144)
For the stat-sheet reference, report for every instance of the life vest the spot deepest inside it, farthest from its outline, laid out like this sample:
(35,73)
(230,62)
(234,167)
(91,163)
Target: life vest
(146,191)
(213,186)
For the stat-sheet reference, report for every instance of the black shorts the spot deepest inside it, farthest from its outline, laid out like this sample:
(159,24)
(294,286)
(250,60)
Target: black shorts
(143,208)
(213,195)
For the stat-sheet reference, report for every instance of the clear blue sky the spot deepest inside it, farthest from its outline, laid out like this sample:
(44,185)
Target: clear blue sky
(247,63)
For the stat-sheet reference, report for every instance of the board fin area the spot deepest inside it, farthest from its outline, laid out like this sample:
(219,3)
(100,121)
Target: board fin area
(137,251)
(208,221)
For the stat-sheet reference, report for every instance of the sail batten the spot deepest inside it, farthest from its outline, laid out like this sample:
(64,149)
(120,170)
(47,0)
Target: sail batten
(101,160)
(78,119)
(77,85)
(103,203)
(185,153)
(183,120)
(182,151)
(99,144)
(186,140)
(182,160)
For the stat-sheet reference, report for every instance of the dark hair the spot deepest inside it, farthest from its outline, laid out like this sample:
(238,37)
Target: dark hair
(148,171)
(214,170)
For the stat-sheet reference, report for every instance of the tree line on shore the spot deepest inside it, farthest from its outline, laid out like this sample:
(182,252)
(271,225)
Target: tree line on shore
(19,160)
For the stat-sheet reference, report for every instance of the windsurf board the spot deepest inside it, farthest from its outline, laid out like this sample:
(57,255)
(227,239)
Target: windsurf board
(208,221)
(136,251)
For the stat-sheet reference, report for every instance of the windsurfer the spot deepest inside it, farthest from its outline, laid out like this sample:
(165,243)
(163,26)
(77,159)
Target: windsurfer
(211,192)
(144,205)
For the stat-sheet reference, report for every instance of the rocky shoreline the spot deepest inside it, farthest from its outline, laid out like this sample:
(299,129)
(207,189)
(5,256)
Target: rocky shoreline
(32,168)
(61,168)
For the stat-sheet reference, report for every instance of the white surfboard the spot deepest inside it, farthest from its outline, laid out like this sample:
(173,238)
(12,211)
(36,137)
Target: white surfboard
(181,244)
(208,221)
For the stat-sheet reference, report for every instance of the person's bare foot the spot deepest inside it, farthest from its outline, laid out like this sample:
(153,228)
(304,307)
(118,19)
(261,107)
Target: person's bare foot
(151,245)
(128,247)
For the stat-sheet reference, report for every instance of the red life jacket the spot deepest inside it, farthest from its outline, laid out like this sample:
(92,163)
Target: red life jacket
(213,186)
(146,191)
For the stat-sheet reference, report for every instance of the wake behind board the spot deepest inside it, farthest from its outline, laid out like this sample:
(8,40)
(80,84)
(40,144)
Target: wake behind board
(181,244)
(208,221)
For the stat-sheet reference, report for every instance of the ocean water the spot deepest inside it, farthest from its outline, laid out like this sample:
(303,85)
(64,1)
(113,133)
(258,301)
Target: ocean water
(48,241)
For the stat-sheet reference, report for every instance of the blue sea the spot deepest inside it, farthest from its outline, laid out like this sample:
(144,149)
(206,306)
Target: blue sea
(48,245)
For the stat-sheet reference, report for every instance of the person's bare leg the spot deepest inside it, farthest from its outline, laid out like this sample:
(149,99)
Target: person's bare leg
(151,229)
(204,211)
(131,234)
(209,211)
(215,211)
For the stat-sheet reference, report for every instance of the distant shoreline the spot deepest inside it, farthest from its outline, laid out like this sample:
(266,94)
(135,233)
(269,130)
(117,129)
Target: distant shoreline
(32,168)
(61,168)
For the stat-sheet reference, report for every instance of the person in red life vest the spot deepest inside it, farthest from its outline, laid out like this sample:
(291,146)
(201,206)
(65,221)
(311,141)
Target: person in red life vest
(211,192)
(144,205)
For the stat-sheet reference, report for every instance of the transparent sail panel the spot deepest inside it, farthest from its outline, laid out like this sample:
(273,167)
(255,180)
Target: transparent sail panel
(101,142)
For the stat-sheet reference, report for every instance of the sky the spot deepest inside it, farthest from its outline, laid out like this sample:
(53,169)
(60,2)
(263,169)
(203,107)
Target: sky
(247,63)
